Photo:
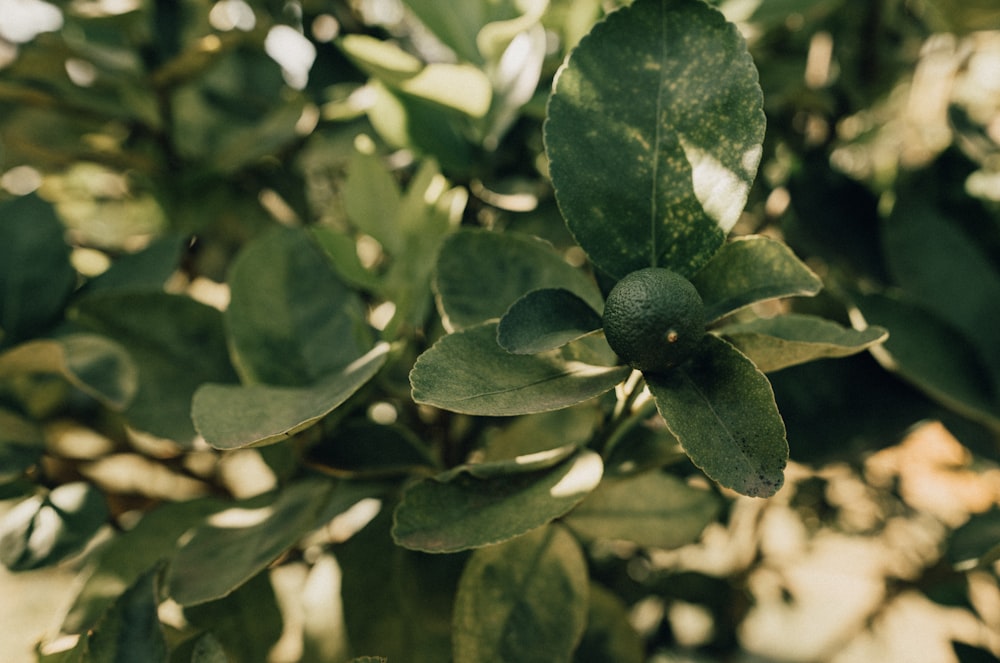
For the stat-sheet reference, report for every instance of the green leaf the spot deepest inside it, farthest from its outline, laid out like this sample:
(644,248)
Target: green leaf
(545,319)
(208,649)
(936,262)
(654,134)
(147,269)
(291,321)
(480,274)
(931,354)
(342,250)
(610,637)
(131,630)
(233,417)
(469,372)
(176,343)
(94,364)
(397,602)
(36,277)
(976,544)
(649,509)
(21,448)
(787,340)
(752,269)
(522,601)
(236,544)
(722,410)
(531,433)
(372,198)
(43,530)
(119,563)
(247,623)
(364,448)
(459,510)
(456,25)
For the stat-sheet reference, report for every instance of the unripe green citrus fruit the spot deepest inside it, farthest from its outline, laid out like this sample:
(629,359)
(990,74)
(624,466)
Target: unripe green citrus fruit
(653,319)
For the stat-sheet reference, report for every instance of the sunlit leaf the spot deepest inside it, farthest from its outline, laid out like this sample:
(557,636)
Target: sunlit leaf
(722,410)
(460,510)
(522,601)
(749,270)
(544,320)
(787,340)
(654,134)
(469,372)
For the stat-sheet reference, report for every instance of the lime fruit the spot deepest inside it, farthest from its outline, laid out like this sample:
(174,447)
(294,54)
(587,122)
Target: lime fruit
(653,319)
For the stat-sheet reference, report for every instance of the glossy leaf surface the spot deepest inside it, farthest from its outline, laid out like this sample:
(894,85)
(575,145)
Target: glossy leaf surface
(545,319)
(654,134)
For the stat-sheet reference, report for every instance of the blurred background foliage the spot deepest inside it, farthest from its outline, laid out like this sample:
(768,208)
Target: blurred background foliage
(180,130)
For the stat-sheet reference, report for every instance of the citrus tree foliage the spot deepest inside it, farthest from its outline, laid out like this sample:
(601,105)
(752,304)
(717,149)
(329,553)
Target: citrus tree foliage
(319,289)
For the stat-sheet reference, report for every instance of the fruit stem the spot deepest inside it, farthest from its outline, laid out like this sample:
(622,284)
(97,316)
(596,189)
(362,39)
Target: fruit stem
(626,416)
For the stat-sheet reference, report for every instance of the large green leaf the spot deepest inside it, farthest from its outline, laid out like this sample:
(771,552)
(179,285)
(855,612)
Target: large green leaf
(722,410)
(544,320)
(291,320)
(650,509)
(35,273)
(752,269)
(478,505)
(654,134)
(523,601)
(933,355)
(787,340)
(176,343)
(480,274)
(469,372)
(233,416)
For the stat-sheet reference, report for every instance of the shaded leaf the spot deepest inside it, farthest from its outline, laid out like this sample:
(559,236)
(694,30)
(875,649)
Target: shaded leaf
(459,510)
(44,530)
(364,448)
(531,433)
(933,355)
(342,251)
(610,637)
(21,447)
(480,274)
(544,320)
(522,601)
(372,199)
(147,269)
(208,649)
(976,544)
(176,343)
(94,364)
(36,277)
(654,134)
(787,340)
(247,623)
(752,269)
(469,372)
(649,509)
(722,410)
(291,320)
(233,417)
(130,630)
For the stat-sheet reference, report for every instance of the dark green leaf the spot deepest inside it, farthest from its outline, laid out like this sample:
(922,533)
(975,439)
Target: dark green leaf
(522,601)
(397,602)
(147,269)
(247,623)
(529,434)
(469,372)
(722,410)
(787,340)
(130,630)
(291,321)
(233,417)
(44,530)
(364,448)
(125,558)
(35,273)
(176,343)
(610,637)
(933,355)
(545,319)
(480,274)
(654,134)
(649,509)
(752,269)
(236,544)
(208,649)
(459,510)
(977,542)
(94,364)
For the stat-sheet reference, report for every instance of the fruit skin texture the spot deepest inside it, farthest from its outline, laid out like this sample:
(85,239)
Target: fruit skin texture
(654,319)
